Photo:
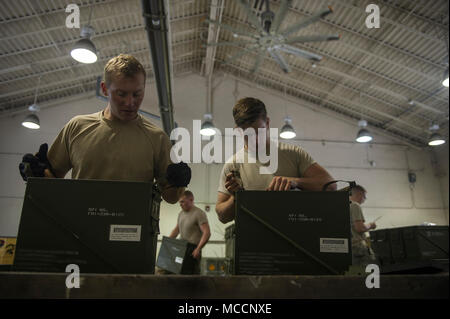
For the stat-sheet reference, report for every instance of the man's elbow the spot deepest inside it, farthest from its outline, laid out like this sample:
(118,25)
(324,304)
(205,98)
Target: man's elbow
(221,216)
(332,187)
(170,199)
(327,179)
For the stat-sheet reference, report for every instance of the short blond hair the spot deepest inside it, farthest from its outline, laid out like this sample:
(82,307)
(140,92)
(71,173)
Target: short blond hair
(188,194)
(122,65)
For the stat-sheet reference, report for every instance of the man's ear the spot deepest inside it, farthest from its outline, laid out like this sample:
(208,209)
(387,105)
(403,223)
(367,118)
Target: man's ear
(104,88)
(267,121)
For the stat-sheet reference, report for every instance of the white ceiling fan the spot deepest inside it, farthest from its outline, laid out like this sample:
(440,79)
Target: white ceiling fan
(270,39)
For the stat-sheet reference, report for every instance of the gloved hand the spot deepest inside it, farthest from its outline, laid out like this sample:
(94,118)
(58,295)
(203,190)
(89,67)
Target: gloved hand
(179,174)
(35,165)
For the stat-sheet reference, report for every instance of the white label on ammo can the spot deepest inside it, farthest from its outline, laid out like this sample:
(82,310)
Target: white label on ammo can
(125,233)
(333,245)
(179,260)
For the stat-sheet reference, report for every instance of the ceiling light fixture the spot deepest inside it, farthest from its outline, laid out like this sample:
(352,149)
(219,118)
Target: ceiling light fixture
(445,79)
(287,131)
(364,135)
(207,128)
(31,121)
(435,138)
(445,82)
(84,50)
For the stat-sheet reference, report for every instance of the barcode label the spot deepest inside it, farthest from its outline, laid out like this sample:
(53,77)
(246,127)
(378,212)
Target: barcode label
(334,245)
(125,230)
(125,233)
(333,241)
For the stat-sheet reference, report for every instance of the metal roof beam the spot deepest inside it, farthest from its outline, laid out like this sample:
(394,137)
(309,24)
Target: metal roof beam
(61,27)
(362,11)
(421,91)
(349,102)
(332,113)
(390,46)
(54,11)
(105,58)
(93,75)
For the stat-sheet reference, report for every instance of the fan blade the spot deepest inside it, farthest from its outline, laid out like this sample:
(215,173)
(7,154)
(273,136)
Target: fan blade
(232,29)
(258,61)
(313,38)
(237,43)
(300,53)
(279,16)
(308,21)
(237,56)
(251,16)
(280,60)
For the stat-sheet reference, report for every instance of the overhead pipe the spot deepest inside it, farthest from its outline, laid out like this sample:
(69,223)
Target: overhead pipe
(156,25)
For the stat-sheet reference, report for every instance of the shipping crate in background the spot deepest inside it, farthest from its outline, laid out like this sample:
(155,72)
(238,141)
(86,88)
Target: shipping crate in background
(175,256)
(410,247)
(101,226)
(292,233)
(215,266)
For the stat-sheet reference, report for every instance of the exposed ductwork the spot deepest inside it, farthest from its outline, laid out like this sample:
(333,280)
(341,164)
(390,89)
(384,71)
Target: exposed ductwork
(157,26)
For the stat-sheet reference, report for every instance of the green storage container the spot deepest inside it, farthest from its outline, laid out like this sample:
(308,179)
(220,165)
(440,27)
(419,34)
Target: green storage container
(292,233)
(175,256)
(215,266)
(101,226)
(410,244)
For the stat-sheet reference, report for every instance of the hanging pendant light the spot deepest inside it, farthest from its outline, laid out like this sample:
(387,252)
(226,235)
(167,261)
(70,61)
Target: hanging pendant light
(207,128)
(287,131)
(445,81)
(84,50)
(31,121)
(363,135)
(435,139)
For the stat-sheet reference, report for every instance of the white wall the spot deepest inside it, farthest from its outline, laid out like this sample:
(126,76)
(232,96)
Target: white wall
(389,193)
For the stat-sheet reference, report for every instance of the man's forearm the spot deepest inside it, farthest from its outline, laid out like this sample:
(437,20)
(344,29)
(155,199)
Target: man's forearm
(225,210)
(203,240)
(172,194)
(362,228)
(316,183)
(173,234)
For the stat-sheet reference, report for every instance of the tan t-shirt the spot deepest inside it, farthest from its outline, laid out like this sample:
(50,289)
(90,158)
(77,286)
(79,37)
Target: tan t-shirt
(189,224)
(358,239)
(97,148)
(293,161)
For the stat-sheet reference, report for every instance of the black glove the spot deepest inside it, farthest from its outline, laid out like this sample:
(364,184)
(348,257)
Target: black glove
(34,165)
(178,175)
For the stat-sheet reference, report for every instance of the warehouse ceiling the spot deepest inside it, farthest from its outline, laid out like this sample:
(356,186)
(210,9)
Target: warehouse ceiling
(389,76)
